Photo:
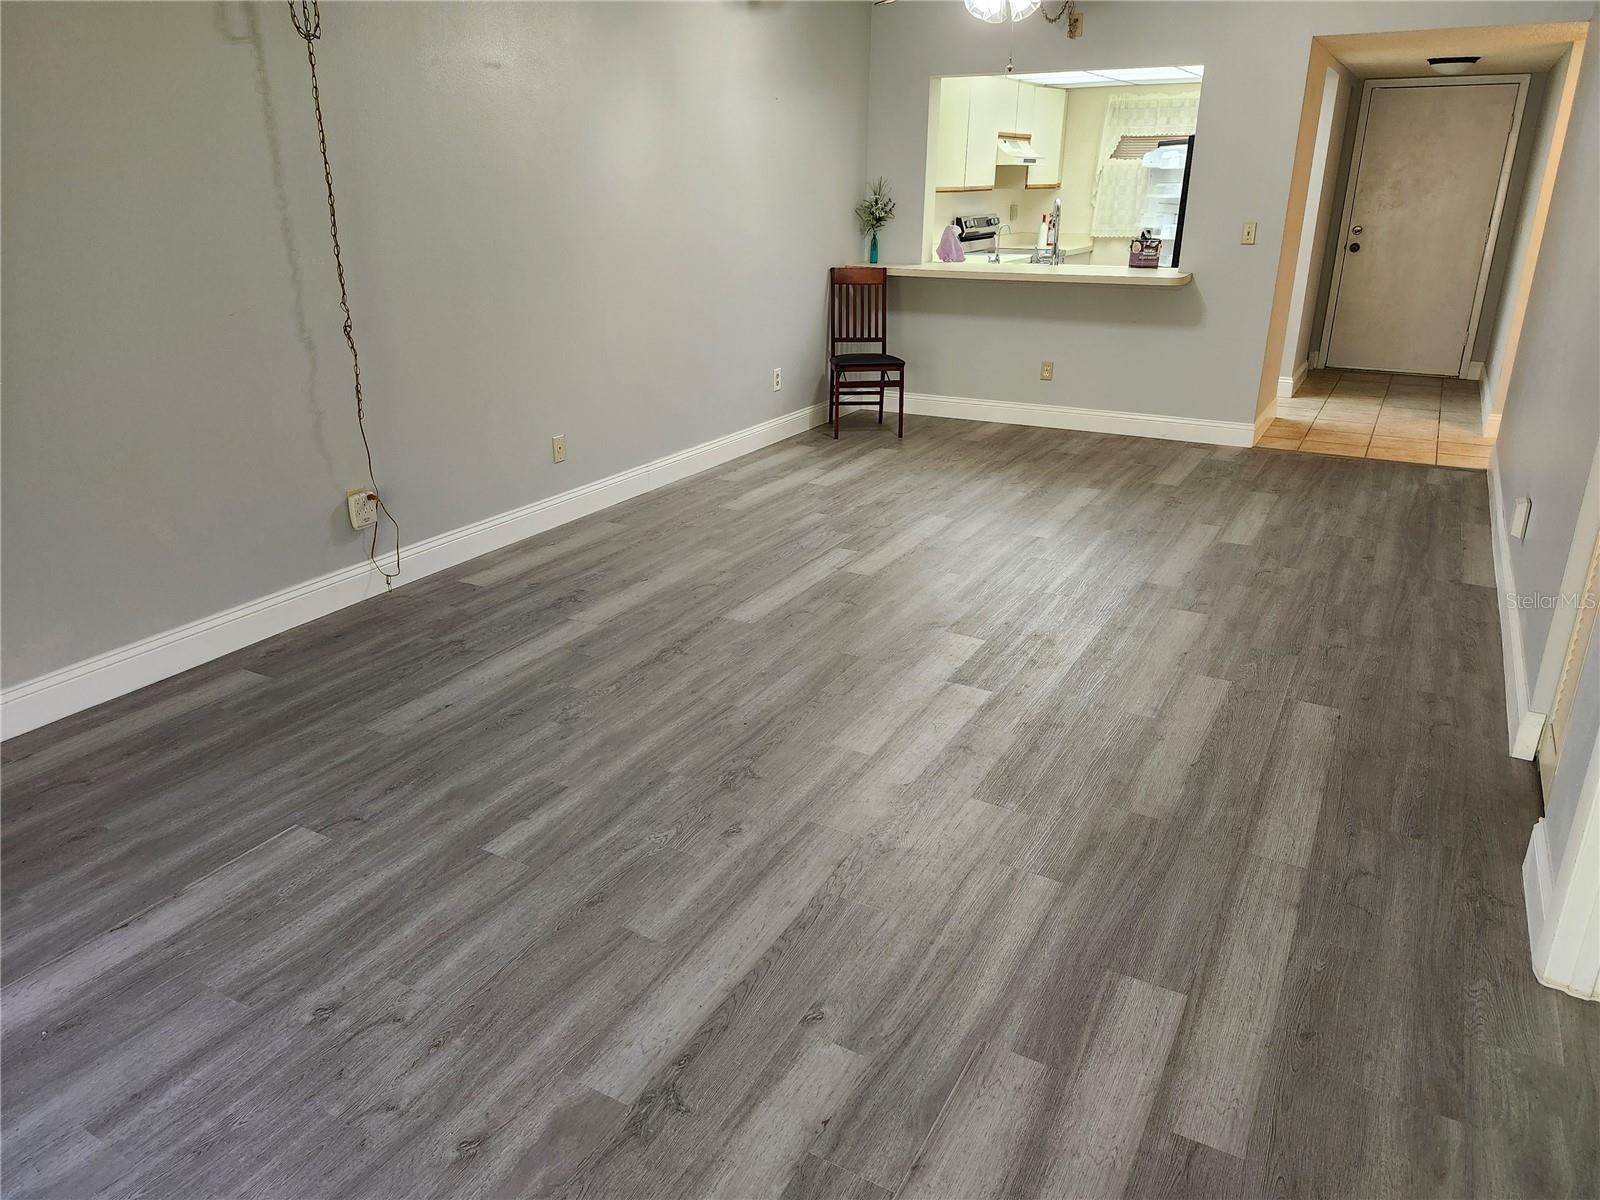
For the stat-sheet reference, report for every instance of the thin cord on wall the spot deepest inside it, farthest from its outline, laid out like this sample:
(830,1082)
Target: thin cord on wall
(307,19)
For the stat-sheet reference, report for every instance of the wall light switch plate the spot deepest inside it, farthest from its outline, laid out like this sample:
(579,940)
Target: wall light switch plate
(363,508)
(1047,370)
(1247,236)
(558,448)
(1521,513)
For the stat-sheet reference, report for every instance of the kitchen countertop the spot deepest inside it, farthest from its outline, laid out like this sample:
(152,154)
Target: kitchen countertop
(1022,272)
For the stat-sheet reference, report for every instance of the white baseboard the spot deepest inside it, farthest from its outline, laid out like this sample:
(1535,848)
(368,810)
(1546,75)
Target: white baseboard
(1289,384)
(95,680)
(1090,420)
(1474,369)
(1523,725)
(1562,896)
(1537,879)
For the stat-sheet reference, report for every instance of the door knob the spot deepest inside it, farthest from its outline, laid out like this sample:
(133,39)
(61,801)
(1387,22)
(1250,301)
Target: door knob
(1355,229)
(1355,247)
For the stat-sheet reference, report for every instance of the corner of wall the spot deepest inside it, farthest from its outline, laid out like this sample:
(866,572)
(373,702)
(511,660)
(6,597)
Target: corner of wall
(1523,726)
(1288,385)
(1563,897)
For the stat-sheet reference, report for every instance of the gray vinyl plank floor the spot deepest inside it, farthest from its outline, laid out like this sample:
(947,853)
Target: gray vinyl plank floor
(1003,812)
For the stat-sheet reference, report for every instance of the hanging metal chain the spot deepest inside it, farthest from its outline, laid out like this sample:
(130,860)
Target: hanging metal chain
(307,18)
(1068,10)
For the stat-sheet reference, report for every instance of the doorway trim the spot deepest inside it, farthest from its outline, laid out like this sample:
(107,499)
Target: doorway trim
(1345,212)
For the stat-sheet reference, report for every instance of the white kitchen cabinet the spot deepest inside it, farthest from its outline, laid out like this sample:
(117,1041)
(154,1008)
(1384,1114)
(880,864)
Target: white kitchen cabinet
(973,112)
(993,108)
(950,150)
(1048,114)
(1022,114)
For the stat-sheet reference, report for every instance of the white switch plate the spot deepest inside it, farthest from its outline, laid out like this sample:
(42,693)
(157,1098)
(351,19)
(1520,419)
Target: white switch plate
(1520,514)
(1247,236)
(363,508)
(558,448)
(777,379)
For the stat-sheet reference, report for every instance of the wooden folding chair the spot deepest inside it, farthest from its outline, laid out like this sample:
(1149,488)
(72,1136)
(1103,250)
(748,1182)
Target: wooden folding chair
(858,316)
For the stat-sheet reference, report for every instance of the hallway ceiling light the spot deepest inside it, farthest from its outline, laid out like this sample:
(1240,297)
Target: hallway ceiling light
(996,11)
(1456,64)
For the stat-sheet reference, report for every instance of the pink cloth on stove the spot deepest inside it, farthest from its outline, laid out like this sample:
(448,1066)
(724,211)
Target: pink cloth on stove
(950,246)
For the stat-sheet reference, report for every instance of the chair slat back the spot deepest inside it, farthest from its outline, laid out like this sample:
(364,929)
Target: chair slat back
(858,307)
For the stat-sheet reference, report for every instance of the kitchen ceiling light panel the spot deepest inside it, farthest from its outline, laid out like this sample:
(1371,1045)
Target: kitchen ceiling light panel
(1064,78)
(1114,77)
(1145,74)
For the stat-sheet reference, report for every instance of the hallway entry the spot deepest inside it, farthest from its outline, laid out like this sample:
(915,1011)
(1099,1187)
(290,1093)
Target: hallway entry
(1422,208)
(1401,418)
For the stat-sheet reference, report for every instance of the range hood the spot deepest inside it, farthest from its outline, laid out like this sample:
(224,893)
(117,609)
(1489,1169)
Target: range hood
(1015,149)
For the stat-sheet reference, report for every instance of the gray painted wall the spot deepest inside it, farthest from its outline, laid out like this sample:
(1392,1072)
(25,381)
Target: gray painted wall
(1527,168)
(1194,351)
(1333,232)
(1324,202)
(1538,130)
(609,221)
(1551,427)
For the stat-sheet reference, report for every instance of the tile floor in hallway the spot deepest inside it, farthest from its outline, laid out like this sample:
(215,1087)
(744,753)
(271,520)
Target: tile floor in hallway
(1403,418)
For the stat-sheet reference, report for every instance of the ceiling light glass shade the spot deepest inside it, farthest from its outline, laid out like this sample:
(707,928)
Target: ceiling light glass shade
(996,11)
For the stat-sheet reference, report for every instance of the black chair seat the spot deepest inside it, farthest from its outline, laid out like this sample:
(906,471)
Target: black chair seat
(867,360)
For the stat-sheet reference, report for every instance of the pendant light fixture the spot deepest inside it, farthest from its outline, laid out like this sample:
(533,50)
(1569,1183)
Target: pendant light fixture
(996,11)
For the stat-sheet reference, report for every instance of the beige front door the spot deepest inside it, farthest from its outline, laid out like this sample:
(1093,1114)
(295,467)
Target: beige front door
(1424,199)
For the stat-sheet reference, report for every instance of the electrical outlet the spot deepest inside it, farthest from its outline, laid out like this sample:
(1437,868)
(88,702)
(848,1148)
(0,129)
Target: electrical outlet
(363,508)
(1047,370)
(1247,236)
(558,448)
(777,379)
(1015,209)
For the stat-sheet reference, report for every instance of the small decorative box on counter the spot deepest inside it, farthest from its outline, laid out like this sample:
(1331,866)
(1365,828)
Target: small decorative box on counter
(1144,250)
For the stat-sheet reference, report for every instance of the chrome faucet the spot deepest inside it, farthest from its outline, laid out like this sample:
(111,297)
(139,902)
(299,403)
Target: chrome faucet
(994,243)
(1051,257)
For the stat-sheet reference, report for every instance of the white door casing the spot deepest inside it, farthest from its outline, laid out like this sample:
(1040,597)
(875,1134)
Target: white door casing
(1422,209)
